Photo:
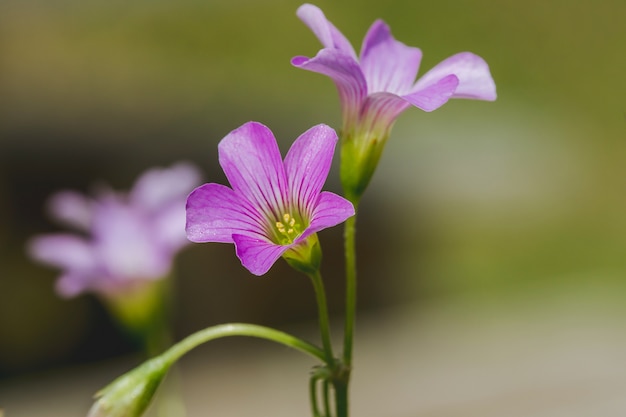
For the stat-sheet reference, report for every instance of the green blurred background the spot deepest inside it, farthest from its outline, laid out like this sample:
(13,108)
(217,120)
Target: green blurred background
(490,206)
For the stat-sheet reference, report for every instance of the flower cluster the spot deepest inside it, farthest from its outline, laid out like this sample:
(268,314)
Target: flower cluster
(273,208)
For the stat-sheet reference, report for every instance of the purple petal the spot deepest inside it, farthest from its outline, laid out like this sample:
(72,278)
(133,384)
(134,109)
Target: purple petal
(307,164)
(158,187)
(433,96)
(257,255)
(71,208)
(326,32)
(215,213)
(64,251)
(344,71)
(169,226)
(253,165)
(330,211)
(381,110)
(388,65)
(71,284)
(475,81)
(123,238)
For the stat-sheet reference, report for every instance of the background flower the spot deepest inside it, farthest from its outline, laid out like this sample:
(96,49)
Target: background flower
(126,239)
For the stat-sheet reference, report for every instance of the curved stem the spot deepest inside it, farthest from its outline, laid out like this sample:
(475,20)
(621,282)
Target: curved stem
(240,329)
(324,322)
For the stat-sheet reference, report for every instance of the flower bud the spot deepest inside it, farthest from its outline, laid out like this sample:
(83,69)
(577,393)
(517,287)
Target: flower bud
(130,394)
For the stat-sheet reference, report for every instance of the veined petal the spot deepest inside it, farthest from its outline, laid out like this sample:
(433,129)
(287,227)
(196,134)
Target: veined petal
(307,165)
(432,96)
(65,251)
(326,32)
(330,211)
(344,70)
(215,213)
(475,81)
(159,186)
(257,255)
(380,111)
(388,65)
(251,160)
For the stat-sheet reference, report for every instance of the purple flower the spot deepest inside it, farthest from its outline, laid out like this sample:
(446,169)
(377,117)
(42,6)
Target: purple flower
(376,87)
(127,239)
(274,208)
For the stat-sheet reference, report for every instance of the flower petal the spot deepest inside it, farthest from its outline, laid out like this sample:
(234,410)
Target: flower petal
(380,111)
(475,81)
(325,31)
(159,186)
(71,284)
(64,251)
(257,255)
(434,95)
(215,213)
(71,208)
(344,71)
(388,65)
(124,240)
(330,211)
(307,165)
(251,160)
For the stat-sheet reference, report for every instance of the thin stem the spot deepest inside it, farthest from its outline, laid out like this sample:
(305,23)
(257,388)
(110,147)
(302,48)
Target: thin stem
(241,329)
(324,322)
(313,394)
(350,254)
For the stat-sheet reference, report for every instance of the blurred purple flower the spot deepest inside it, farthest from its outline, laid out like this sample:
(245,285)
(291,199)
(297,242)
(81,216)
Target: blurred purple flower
(376,87)
(273,206)
(127,239)
(382,79)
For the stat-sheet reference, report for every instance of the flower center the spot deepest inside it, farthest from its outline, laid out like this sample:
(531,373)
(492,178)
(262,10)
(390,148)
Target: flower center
(288,229)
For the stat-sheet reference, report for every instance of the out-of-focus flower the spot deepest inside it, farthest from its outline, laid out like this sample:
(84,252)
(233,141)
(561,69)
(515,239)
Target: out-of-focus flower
(130,394)
(126,240)
(377,86)
(274,208)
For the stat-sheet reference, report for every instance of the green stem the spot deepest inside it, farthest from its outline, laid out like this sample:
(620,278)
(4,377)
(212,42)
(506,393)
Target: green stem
(240,329)
(350,254)
(324,322)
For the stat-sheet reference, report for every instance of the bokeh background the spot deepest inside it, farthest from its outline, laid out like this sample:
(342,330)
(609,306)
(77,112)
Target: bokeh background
(492,240)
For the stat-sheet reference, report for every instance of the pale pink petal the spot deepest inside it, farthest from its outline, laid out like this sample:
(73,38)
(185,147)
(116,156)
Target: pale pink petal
(159,186)
(307,165)
(326,32)
(169,226)
(257,255)
(123,239)
(64,251)
(253,165)
(71,208)
(475,81)
(71,284)
(215,213)
(432,96)
(388,65)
